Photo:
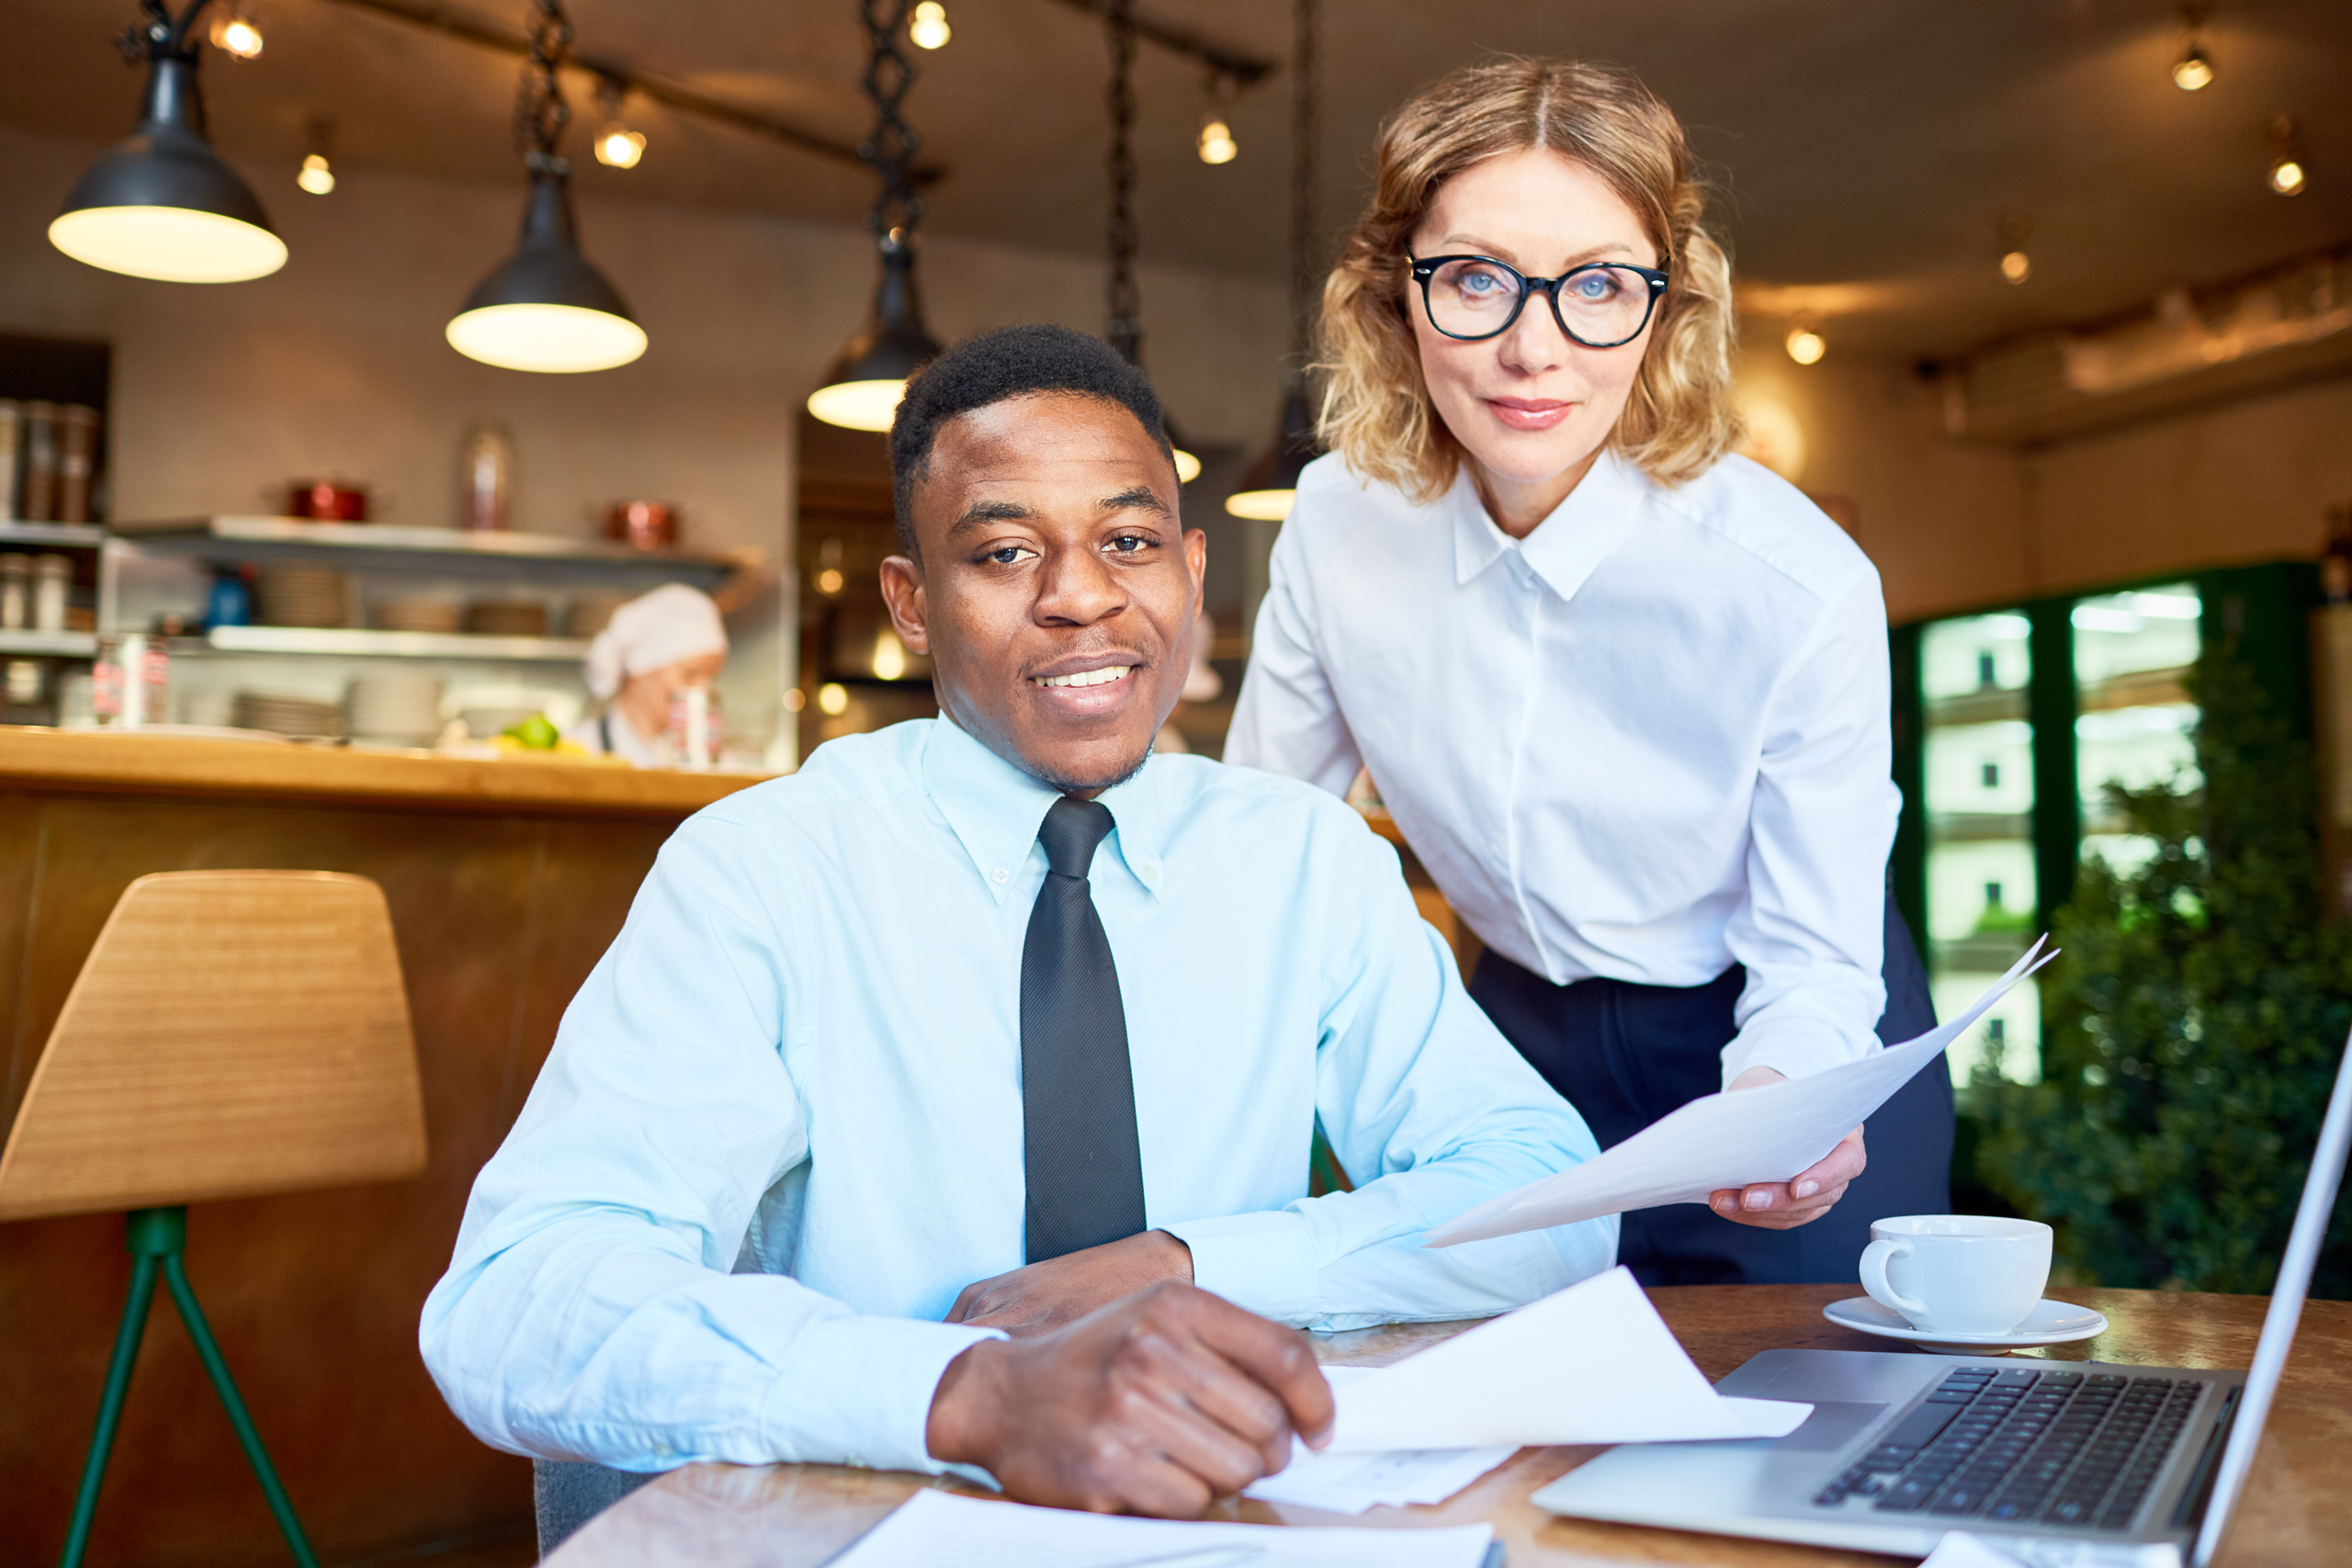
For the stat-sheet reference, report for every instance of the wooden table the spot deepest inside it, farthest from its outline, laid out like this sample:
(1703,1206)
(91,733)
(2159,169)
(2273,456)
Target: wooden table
(2297,1509)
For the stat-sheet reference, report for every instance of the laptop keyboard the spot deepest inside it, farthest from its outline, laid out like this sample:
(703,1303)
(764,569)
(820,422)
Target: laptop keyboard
(2060,1448)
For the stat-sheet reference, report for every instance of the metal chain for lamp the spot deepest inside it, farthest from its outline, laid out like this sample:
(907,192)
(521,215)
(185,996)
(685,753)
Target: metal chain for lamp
(891,150)
(541,112)
(1124,300)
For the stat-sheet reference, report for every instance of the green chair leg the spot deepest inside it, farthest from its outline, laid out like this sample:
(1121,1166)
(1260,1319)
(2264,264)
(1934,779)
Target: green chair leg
(126,1353)
(158,1236)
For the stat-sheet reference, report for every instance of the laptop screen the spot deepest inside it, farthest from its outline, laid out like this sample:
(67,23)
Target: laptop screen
(2286,1307)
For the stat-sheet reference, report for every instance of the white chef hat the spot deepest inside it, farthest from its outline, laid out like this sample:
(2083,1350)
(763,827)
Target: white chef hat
(667,627)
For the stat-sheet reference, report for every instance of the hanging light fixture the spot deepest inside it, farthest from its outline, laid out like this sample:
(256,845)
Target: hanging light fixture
(317,175)
(619,145)
(862,389)
(1805,345)
(1123,297)
(2193,72)
(1270,484)
(1215,143)
(544,307)
(2016,266)
(162,205)
(2288,173)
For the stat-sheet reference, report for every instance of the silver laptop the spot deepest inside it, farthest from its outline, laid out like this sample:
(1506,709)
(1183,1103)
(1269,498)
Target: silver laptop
(2058,1462)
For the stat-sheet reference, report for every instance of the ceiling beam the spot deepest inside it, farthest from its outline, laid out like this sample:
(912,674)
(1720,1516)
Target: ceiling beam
(451,22)
(1245,69)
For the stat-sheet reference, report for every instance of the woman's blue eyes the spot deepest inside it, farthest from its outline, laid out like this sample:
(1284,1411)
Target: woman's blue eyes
(1595,285)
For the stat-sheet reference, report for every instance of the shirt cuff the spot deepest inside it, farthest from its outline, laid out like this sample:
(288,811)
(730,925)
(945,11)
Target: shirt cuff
(1795,1048)
(1262,1263)
(858,1390)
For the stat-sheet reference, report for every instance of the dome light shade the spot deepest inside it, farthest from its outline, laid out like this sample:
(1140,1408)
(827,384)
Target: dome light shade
(1270,483)
(862,389)
(544,307)
(161,204)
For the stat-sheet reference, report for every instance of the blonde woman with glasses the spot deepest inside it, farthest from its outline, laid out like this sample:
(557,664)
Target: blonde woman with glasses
(1625,693)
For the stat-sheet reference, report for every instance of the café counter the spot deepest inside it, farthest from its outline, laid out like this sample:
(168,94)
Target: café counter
(506,879)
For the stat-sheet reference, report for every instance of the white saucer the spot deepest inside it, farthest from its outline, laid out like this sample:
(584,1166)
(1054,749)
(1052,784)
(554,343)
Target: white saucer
(2050,1323)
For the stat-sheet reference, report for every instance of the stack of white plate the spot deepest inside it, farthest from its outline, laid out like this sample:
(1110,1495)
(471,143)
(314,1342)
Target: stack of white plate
(286,716)
(591,611)
(417,614)
(290,595)
(400,707)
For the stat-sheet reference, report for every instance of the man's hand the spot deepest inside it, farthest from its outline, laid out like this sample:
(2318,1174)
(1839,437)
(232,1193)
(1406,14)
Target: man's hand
(1048,1296)
(1158,1405)
(1805,1197)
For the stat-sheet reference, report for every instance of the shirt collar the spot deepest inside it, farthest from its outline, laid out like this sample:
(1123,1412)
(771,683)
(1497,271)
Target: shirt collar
(995,810)
(1568,546)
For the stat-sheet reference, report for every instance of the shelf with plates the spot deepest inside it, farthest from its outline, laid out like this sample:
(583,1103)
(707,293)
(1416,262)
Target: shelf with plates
(355,642)
(543,558)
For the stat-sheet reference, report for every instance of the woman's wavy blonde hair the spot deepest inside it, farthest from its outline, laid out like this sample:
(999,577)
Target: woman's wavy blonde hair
(1376,410)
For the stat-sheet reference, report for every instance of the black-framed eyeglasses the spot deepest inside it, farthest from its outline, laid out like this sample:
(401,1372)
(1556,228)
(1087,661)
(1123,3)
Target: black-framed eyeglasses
(1600,304)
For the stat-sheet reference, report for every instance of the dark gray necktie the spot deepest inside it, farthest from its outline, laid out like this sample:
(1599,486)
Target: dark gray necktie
(1078,1098)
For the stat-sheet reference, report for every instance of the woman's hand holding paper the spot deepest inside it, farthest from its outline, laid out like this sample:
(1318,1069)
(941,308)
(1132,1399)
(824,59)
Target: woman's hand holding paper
(1803,1198)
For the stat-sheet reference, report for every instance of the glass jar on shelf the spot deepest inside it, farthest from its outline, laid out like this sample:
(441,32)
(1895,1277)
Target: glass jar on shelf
(131,681)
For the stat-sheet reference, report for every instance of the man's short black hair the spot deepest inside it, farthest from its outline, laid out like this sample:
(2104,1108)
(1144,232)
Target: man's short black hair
(1008,362)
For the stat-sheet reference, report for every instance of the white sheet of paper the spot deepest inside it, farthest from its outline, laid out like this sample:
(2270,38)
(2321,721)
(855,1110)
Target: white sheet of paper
(1350,1483)
(1593,1363)
(942,1529)
(1960,1550)
(1726,1140)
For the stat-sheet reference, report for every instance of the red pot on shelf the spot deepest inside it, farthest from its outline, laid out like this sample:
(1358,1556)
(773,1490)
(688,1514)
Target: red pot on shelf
(323,501)
(647,524)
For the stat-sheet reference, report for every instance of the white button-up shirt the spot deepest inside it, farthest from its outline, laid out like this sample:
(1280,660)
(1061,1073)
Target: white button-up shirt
(1645,742)
(781,1126)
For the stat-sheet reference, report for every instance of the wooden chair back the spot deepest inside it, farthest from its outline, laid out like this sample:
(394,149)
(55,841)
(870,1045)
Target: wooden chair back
(231,1034)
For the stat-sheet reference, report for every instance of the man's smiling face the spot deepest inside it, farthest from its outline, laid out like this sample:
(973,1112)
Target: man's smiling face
(1054,588)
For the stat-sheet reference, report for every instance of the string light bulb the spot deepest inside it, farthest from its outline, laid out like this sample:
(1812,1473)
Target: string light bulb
(1215,143)
(2288,175)
(235,34)
(1805,345)
(2193,72)
(928,27)
(2015,263)
(617,146)
(317,175)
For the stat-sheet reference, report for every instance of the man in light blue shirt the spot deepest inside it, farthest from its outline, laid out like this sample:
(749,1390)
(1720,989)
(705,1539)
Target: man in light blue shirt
(778,1191)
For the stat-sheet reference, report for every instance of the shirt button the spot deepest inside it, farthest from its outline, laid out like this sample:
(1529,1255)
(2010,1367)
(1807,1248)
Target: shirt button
(1151,871)
(999,876)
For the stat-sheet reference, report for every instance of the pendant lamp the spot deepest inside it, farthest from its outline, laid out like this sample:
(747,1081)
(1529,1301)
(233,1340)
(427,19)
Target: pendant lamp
(544,307)
(161,204)
(861,387)
(1124,298)
(1270,482)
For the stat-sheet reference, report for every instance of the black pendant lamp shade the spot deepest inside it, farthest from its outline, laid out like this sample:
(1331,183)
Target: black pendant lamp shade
(161,204)
(1270,484)
(544,307)
(862,388)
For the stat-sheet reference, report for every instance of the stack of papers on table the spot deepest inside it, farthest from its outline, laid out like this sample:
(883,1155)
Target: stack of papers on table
(940,1530)
(1722,1141)
(1351,1482)
(1593,1363)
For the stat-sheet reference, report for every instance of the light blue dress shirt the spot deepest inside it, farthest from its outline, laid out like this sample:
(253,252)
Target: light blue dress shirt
(781,1126)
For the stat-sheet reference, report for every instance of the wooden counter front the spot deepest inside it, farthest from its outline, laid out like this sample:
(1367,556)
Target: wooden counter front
(506,882)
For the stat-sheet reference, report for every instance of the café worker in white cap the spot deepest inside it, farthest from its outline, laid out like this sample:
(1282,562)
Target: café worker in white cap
(655,645)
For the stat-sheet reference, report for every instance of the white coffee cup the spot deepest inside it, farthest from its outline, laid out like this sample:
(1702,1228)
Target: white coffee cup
(1957,1273)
